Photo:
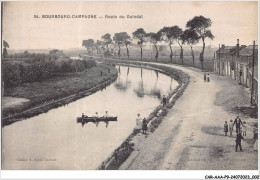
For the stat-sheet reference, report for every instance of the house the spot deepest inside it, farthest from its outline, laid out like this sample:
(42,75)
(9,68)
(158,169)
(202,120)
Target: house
(247,65)
(224,59)
(241,64)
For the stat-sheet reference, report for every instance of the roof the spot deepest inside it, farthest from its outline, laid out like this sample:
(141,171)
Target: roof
(248,51)
(230,49)
(226,49)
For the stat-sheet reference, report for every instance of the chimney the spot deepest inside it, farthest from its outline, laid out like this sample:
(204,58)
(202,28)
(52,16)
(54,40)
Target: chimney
(237,47)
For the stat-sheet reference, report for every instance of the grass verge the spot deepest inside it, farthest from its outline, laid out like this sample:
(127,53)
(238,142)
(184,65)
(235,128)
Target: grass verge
(55,92)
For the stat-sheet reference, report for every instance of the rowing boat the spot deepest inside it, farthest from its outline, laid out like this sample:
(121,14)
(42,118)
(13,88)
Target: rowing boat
(95,119)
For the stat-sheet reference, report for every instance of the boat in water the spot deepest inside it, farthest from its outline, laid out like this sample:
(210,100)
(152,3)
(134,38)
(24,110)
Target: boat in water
(87,119)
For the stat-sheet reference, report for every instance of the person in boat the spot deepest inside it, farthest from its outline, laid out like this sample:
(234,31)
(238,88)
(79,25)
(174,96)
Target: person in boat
(106,116)
(164,100)
(82,119)
(96,118)
(138,121)
(144,127)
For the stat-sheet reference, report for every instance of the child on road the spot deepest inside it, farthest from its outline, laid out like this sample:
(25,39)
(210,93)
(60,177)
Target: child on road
(225,128)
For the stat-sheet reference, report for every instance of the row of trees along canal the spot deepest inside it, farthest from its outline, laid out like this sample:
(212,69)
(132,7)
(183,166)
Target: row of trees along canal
(197,29)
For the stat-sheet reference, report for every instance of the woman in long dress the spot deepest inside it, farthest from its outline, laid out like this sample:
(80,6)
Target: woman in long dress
(144,127)
(138,121)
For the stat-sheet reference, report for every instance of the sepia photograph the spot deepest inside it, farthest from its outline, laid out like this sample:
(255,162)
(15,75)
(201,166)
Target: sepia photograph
(131,85)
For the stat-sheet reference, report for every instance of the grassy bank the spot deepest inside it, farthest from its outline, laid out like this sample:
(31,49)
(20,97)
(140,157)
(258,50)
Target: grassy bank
(56,91)
(118,157)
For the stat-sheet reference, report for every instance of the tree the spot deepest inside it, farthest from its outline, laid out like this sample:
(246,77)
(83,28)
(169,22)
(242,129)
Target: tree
(89,44)
(167,34)
(107,39)
(154,38)
(140,35)
(118,38)
(178,36)
(122,38)
(6,45)
(97,46)
(191,38)
(201,26)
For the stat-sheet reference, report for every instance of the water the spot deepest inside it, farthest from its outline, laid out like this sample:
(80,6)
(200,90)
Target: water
(54,140)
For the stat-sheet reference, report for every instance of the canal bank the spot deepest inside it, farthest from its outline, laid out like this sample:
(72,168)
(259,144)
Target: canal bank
(121,154)
(57,135)
(57,92)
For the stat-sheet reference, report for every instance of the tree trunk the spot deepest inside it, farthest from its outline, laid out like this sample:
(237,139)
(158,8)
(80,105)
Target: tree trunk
(5,53)
(202,54)
(181,55)
(192,54)
(171,53)
(141,53)
(127,51)
(119,51)
(157,53)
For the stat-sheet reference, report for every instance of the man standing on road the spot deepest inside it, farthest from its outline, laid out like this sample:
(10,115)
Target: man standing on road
(238,141)
(238,123)
(164,100)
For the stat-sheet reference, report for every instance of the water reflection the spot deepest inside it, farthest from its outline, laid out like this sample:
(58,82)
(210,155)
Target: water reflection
(153,92)
(171,84)
(57,135)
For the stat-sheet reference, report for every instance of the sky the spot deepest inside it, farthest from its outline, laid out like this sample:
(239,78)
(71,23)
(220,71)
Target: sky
(230,21)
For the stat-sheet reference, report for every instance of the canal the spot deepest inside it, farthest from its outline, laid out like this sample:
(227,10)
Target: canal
(54,140)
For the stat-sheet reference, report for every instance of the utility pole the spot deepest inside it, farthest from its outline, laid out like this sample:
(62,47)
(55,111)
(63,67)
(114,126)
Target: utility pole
(253,73)
(219,57)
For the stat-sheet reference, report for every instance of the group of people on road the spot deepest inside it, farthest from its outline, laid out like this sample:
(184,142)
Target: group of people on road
(206,77)
(240,131)
(141,123)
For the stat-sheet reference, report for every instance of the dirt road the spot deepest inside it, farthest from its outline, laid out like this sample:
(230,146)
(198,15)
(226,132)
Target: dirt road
(191,136)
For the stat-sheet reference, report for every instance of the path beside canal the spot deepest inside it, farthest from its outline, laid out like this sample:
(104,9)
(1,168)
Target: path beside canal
(191,135)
